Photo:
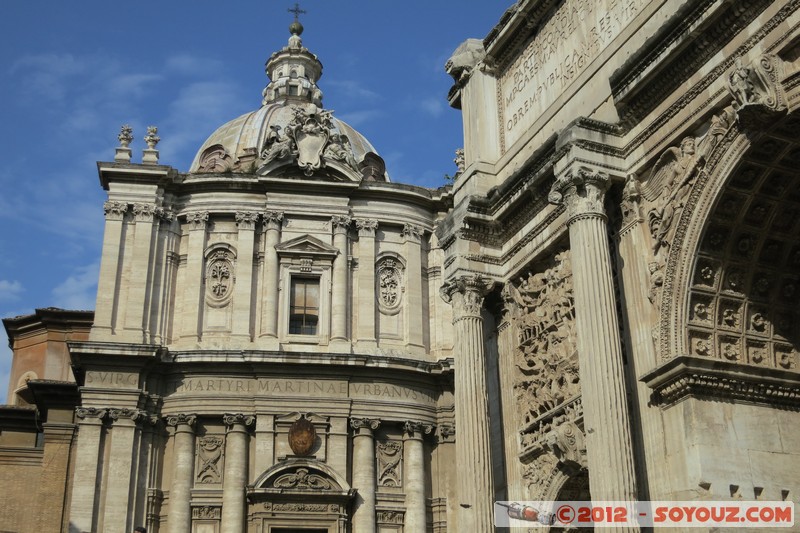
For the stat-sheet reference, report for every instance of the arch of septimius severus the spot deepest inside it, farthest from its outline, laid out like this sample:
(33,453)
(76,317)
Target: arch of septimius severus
(603,304)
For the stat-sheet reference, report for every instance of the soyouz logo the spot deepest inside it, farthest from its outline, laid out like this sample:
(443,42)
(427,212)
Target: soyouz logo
(744,514)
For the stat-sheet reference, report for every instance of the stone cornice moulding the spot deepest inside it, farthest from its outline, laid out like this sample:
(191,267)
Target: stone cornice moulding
(714,379)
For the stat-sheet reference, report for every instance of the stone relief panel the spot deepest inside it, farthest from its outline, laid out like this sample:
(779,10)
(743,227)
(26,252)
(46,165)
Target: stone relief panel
(390,284)
(546,357)
(742,305)
(219,277)
(209,466)
(390,463)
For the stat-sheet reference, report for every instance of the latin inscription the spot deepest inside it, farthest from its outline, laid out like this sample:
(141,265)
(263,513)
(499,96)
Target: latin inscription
(565,45)
(299,387)
(112,379)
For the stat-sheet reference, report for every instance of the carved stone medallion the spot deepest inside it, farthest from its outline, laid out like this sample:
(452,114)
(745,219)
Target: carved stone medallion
(302,436)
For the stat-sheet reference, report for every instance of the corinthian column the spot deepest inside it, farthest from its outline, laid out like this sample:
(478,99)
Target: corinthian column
(269,295)
(339,297)
(473,456)
(414,472)
(233,512)
(607,422)
(180,508)
(365,331)
(364,474)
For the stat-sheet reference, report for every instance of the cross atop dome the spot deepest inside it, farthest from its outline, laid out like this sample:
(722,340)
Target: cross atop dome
(293,71)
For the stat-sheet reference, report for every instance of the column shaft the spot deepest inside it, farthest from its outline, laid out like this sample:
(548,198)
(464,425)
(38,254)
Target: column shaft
(180,509)
(364,476)
(119,500)
(414,473)
(85,482)
(506,337)
(233,509)
(141,271)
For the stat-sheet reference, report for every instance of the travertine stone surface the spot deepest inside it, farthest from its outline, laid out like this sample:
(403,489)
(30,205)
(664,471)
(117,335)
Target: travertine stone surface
(364,476)
(180,511)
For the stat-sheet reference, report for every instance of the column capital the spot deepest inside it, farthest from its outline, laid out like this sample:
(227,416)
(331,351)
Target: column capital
(91,413)
(233,419)
(366,227)
(181,420)
(416,430)
(365,426)
(115,210)
(466,294)
(341,223)
(197,221)
(120,415)
(272,219)
(446,433)
(166,214)
(582,192)
(144,212)
(246,219)
(412,232)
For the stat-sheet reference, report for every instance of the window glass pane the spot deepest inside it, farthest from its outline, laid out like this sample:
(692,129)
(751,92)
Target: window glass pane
(312,294)
(304,306)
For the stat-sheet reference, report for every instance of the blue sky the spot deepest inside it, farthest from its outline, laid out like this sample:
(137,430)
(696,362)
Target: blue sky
(72,72)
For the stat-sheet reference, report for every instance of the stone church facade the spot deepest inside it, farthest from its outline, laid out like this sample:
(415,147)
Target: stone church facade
(601,306)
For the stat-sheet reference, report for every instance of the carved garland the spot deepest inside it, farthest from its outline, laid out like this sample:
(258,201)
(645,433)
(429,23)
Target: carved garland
(390,457)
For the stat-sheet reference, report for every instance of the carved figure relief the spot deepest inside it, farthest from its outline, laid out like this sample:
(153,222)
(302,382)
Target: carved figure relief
(219,277)
(390,464)
(756,89)
(389,276)
(209,455)
(546,358)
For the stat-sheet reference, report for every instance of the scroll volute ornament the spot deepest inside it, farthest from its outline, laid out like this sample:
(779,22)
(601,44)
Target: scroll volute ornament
(302,437)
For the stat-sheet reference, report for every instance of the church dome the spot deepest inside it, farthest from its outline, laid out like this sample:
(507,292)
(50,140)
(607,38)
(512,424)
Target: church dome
(291,129)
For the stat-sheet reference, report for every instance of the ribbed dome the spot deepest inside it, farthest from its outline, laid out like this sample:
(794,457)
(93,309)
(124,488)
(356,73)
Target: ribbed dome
(237,145)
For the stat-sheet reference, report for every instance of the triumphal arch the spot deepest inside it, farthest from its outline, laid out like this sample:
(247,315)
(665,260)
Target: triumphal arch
(602,305)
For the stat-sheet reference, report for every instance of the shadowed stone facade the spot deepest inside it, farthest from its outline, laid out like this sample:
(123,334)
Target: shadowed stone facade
(601,306)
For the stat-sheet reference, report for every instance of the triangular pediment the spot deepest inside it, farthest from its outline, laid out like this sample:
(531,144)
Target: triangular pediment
(305,245)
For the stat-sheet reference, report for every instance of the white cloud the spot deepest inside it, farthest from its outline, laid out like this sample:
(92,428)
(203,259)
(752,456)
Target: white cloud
(353,89)
(359,118)
(188,64)
(79,290)
(10,290)
(5,370)
(433,106)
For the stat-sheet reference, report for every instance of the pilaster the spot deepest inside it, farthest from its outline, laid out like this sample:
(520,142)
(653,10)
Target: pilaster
(85,483)
(473,452)
(341,225)
(141,271)
(607,422)
(122,464)
(364,473)
(242,296)
(415,332)
(192,286)
(269,295)
(105,311)
(366,283)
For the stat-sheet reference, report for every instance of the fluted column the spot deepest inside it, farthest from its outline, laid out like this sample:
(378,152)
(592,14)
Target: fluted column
(365,331)
(138,290)
(235,477)
(414,474)
(87,454)
(193,276)
(364,474)
(122,466)
(341,224)
(242,295)
(180,505)
(606,417)
(414,316)
(109,267)
(473,454)
(269,295)
(506,346)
